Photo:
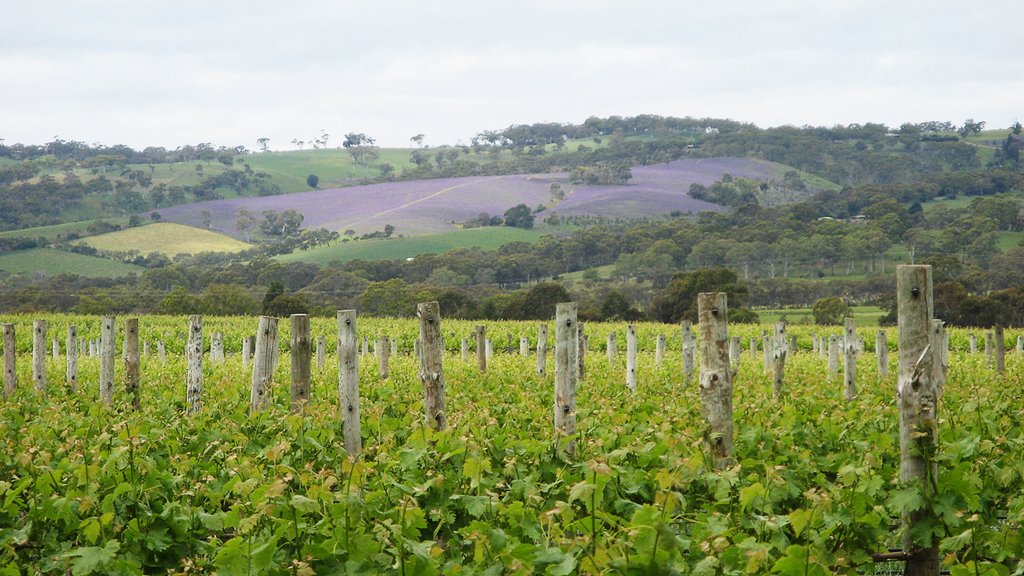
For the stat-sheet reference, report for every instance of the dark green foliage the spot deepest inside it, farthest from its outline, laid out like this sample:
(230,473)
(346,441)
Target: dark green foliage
(287,304)
(830,311)
(312,180)
(616,307)
(519,216)
(678,300)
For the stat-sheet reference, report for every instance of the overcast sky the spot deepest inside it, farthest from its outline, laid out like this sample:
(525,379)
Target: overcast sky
(173,72)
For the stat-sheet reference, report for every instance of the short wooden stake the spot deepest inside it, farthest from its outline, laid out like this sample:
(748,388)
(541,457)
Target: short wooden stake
(734,353)
(132,371)
(611,347)
(108,351)
(917,399)
(161,352)
(194,355)
(753,347)
(301,360)
(542,349)
(768,352)
(833,356)
(581,352)
(524,346)
(394,346)
(263,364)
(973,340)
(990,341)
(1020,344)
(464,349)
(431,370)
(488,349)
(481,347)
(659,350)
(321,352)
(39,355)
(631,351)
(882,354)
(566,373)
(384,357)
(689,352)
(715,377)
(781,349)
(56,349)
(71,358)
(849,358)
(145,349)
(348,381)
(1000,349)
(10,361)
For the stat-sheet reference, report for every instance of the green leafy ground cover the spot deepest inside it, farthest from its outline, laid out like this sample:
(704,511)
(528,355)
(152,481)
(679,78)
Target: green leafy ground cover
(813,490)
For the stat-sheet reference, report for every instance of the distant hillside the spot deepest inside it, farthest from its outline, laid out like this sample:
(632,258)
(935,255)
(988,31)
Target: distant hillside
(165,238)
(437,205)
(50,262)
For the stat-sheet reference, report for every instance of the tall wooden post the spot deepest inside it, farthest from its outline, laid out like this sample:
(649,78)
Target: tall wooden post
(659,350)
(689,352)
(542,349)
(217,347)
(348,381)
(849,358)
(263,364)
(302,356)
(917,399)
(488,349)
(321,352)
(481,347)
(132,370)
(194,354)
(715,376)
(39,355)
(384,357)
(10,361)
(611,348)
(631,358)
(431,369)
(71,373)
(779,358)
(882,354)
(833,356)
(1000,349)
(108,352)
(566,376)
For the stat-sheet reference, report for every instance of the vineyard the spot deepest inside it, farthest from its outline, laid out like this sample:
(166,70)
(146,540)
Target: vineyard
(813,486)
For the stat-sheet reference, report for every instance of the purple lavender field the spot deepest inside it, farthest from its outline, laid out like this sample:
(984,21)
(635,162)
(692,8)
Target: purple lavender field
(428,206)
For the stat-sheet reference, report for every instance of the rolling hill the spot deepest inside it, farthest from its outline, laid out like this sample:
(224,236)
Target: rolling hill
(420,207)
(165,238)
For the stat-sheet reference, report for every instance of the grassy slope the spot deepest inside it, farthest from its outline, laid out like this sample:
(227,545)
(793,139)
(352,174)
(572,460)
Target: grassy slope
(52,232)
(52,262)
(485,238)
(166,238)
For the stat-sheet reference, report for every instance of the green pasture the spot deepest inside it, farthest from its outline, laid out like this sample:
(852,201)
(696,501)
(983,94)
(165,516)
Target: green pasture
(488,238)
(165,238)
(52,262)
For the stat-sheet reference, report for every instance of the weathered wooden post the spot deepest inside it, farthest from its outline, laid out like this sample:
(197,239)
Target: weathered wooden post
(464,350)
(56,350)
(10,361)
(348,381)
(301,357)
(542,349)
(917,398)
(715,376)
(247,344)
(39,355)
(566,377)
(794,345)
(71,364)
(132,372)
(689,352)
(431,369)
(581,352)
(768,352)
(263,364)
(394,346)
(1000,349)
(217,348)
(833,356)
(814,342)
(779,358)
(161,352)
(753,347)
(822,347)
(366,345)
(194,354)
(631,358)
(611,347)
(973,342)
(108,351)
(659,351)
(321,352)
(989,349)
(882,354)
(524,346)
(384,357)
(1020,344)
(849,358)
(145,349)
(481,347)
(734,353)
